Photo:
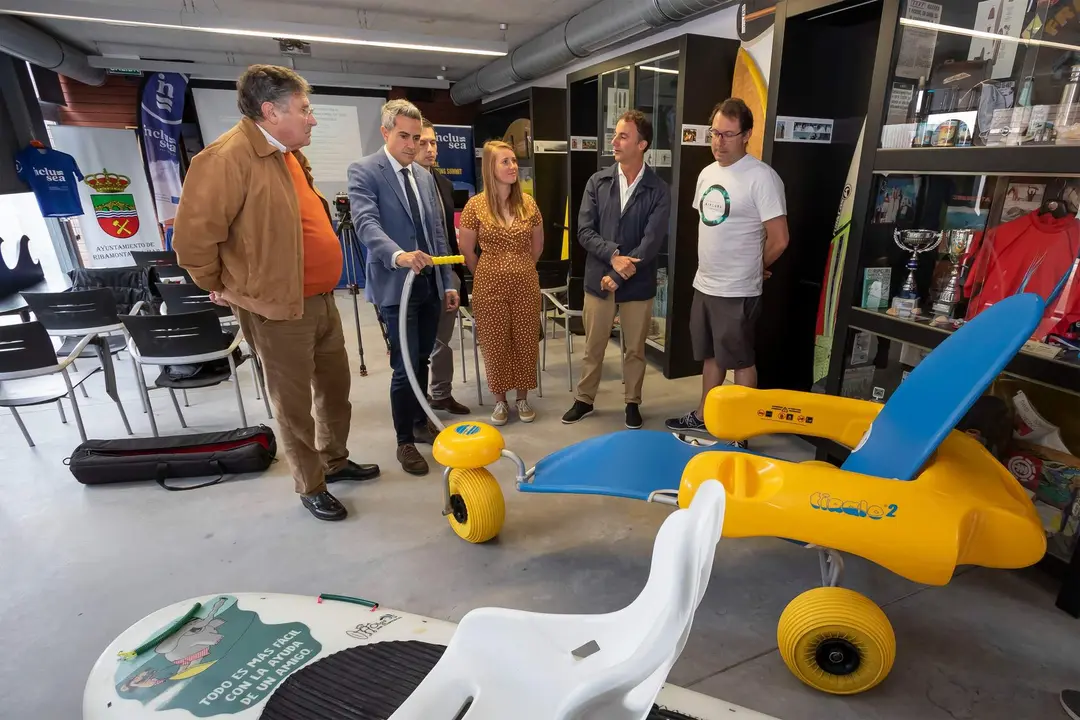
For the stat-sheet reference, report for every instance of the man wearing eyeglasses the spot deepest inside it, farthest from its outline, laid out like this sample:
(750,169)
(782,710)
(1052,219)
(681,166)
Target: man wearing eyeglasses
(741,232)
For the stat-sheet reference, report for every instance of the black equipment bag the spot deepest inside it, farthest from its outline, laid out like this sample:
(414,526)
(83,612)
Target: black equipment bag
(250,449)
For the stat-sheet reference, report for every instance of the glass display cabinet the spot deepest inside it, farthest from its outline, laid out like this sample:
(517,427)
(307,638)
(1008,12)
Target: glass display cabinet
(965,192)
(657,95)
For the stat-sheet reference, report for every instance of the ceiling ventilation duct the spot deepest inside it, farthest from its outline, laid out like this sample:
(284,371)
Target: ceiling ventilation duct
(26,42)
(602,25)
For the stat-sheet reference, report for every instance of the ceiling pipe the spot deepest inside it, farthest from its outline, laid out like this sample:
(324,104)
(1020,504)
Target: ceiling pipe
(26,42)
(597,27)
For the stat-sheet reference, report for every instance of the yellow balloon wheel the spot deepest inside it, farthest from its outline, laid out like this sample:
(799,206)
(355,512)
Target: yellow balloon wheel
(836,640)
(476,504)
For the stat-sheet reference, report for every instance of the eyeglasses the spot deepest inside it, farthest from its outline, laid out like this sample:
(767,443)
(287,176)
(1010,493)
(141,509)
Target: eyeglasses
(307,112)
(723,136)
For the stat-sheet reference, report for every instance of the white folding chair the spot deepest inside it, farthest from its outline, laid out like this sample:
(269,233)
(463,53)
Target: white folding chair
(529,666)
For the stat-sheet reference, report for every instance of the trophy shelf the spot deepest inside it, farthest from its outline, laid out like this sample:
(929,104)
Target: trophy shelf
(1062,372)
(1023,160)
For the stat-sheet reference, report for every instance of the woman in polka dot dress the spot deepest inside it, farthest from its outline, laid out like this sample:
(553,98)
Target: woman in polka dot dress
(507,226)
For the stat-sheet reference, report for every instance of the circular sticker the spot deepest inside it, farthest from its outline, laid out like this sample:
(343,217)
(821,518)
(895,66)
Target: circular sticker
(715,205)
(1023,469)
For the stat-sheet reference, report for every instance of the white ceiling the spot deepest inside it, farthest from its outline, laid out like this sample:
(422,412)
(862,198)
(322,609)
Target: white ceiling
(457,23)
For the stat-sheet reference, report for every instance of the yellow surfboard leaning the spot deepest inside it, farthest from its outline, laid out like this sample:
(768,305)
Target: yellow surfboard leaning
(749,84)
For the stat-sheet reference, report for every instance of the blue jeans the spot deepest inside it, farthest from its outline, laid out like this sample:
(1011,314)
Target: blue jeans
(422,325)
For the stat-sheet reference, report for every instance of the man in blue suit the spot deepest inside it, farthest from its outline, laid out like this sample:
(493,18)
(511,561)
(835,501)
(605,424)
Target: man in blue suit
(396,214)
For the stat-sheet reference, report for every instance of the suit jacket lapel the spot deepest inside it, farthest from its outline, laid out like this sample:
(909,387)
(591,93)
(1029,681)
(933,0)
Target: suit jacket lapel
(395,183)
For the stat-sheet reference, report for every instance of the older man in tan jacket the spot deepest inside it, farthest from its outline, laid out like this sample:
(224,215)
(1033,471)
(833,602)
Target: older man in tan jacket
(253,230)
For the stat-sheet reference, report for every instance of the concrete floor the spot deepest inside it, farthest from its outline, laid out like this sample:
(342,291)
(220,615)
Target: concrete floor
(79,565)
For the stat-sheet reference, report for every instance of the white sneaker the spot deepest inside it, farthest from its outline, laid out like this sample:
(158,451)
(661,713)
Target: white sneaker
(500,414)
(525,411)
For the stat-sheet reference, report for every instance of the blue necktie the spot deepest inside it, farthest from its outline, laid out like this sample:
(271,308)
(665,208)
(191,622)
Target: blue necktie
(414,208)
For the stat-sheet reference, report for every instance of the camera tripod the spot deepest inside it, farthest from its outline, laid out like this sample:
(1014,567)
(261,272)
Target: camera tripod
(350,244)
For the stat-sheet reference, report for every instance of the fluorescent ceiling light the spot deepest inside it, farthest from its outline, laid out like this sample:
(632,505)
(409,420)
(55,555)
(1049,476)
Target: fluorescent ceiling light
(263,34)
(658,69)
(983,34)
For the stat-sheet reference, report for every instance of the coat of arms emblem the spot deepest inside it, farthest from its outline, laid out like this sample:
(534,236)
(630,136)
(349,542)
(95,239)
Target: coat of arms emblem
(115,209)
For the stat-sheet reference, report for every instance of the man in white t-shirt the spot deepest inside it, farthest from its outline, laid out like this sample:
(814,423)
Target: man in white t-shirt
(741,232)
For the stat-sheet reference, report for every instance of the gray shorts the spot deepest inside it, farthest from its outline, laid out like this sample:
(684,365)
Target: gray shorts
(723,328)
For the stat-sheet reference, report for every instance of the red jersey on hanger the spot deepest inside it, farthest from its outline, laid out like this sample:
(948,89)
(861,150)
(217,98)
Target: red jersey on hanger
(1005,254)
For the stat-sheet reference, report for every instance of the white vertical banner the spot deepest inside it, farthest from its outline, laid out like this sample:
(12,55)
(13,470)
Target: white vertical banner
(115,187)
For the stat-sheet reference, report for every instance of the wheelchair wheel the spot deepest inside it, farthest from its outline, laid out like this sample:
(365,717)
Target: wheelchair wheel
(836,640)
(476,504)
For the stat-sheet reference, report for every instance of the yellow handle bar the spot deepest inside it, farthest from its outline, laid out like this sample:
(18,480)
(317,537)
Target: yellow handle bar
(449,260)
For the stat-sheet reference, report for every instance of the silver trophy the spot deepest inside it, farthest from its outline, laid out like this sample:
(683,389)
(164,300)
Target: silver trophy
(915,242)
(947,300)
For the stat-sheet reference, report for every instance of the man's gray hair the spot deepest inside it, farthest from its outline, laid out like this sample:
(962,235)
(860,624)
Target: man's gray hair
(267,83)
(394,109)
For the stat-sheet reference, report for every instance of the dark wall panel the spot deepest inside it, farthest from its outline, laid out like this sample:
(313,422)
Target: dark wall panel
(825,72)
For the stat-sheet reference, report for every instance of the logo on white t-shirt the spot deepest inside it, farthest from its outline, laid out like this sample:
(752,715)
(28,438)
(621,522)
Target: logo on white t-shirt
(715,205)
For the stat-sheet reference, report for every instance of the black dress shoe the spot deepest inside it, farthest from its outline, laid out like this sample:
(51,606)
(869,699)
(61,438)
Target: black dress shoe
(633,416)
(353,471)
(324,506)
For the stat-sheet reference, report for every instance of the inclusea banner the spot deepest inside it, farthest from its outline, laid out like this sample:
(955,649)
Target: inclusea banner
(160,115)
(115,187)
(456,157)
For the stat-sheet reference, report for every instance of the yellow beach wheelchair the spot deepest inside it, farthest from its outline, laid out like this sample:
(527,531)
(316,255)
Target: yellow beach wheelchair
(914,496)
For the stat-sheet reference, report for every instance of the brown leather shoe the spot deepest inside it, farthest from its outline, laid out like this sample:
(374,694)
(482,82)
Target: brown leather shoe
(425,433)
(451,406)
(411,460)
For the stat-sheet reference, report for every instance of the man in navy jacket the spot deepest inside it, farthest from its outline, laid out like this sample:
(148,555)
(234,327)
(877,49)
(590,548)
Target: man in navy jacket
(623,224)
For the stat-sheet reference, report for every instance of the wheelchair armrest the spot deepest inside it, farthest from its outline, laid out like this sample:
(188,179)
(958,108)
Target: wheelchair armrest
(734,412)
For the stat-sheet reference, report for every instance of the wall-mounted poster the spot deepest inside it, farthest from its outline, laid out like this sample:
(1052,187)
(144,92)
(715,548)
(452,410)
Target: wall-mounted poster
(804,130)
(583,143)
(695,134)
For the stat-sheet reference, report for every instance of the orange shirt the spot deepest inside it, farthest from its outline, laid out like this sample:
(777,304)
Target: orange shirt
(322,251)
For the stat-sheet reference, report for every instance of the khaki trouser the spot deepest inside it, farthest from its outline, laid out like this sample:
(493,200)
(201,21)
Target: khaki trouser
(301,358)
(634,320)
(441,384)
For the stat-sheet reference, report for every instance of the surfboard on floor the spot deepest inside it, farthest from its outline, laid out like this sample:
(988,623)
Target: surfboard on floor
(245,656)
